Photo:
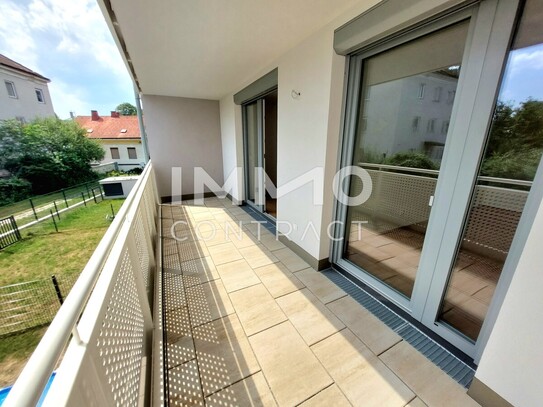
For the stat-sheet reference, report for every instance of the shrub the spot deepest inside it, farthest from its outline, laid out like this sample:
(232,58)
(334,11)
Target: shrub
(520,165)
(412,160)
(14,189)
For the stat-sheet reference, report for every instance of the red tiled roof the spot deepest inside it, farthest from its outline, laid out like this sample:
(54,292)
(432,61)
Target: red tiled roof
(10,63)
(110,127)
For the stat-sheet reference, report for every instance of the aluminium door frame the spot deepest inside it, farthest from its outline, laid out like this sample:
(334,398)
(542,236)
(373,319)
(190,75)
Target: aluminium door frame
(491,28)
(260,176)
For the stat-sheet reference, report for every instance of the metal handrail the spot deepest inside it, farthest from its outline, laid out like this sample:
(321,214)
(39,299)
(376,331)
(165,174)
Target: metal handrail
(29,387)
(496,180)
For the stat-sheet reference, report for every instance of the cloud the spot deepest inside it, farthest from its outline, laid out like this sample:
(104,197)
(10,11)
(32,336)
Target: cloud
(530,58)
(68,98)
(80,30)
(16,40)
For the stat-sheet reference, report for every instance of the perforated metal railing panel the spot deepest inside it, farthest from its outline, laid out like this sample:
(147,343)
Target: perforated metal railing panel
(120,341)
(443,358)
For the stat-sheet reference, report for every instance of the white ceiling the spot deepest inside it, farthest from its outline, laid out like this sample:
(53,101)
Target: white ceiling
(208,48)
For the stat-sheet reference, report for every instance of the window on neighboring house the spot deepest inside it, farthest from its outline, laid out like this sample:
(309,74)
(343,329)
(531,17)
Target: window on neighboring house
(422,86)
(450,97)
(132,153)
(431,128)
(445,127)
(416,123)
(437,94)
(39,95)
(115,153)
(10,86)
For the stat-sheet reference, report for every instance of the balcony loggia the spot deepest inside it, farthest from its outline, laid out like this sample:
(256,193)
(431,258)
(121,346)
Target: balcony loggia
(223,316)
(238,319)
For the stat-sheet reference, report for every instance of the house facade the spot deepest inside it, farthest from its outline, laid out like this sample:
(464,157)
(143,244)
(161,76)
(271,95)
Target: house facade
(313,88)
(24,94)
(118,135)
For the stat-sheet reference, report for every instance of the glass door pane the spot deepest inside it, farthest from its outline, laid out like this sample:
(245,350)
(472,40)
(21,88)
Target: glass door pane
(405,108)
(513,152)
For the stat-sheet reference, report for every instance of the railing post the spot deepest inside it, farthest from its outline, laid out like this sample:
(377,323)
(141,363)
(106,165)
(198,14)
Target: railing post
(57,289)
(33,209)
(65,200)
(54,221)
(56,209)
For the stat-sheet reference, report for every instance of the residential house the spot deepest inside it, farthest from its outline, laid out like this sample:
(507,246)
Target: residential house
(24,94)
(391,284)
(118,135)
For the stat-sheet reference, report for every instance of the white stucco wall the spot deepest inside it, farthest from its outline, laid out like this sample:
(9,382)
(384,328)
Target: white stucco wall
(183,133)
(125,163)
(26,104)
(231,139)
(307,130)
(512,362)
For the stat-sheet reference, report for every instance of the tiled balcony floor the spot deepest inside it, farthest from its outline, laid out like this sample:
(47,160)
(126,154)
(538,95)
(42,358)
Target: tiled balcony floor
(249,323)
(393,256)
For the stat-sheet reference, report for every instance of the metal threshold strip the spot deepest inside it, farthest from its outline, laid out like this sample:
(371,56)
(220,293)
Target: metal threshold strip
(459,370)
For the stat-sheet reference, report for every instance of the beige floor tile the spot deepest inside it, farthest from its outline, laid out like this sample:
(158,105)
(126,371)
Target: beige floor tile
(416,402)
(242,239)
(360,375)
(258,256)
(199,271)
(252,391)
(292,371)
(319,285)
(191,250)
(369,329)
(271,242)
(174,292)
(215,237)
(224,354)
(309,316)
(237,275)
(184,385)
(207,302)
(331,396)
(278,279)
(256,308)
(224,253)
(429,382)
(290,259)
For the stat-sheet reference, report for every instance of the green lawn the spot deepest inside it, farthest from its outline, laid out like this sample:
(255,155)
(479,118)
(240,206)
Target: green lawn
(44,252)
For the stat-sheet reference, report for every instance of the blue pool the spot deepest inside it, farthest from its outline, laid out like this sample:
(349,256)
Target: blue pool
(5,391)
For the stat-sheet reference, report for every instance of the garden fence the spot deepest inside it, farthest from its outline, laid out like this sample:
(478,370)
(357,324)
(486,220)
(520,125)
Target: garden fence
(40,206)
(32,304)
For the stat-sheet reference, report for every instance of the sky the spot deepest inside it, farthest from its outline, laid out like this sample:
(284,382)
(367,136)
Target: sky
(523,77)
(68,42)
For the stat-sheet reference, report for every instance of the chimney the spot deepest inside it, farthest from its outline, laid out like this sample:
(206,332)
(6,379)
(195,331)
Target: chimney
(115,114)
(94,116)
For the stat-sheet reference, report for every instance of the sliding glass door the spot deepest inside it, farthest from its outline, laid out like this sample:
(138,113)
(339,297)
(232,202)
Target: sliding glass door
(406,103)
(451,168)
(260,149)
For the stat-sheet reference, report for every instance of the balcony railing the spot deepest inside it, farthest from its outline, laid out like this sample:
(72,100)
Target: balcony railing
(108,317)
(401,196)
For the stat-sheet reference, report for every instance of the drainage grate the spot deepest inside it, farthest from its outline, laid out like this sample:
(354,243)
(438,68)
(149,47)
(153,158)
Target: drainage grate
(441,357)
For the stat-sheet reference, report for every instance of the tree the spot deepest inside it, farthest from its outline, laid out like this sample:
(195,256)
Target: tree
(48,153)
(126,109)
